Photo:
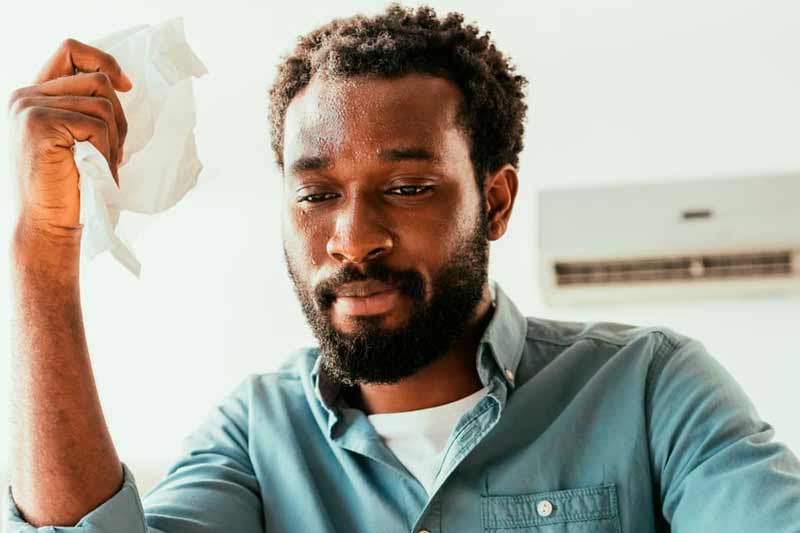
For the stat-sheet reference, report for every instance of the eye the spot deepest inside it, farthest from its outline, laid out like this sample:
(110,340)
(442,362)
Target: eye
(410,190)
(316,198)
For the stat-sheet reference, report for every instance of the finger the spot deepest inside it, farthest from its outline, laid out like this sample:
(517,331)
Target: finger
(86,128)
(93,84)
(61,128)
(74,56)
(93,106)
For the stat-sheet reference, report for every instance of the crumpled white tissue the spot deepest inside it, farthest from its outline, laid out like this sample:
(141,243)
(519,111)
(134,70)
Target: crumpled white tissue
(160,162)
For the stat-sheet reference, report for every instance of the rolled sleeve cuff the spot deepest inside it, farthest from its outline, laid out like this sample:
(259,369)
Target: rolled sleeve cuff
(122,513)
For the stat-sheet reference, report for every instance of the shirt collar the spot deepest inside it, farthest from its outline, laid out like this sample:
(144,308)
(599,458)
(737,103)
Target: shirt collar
(503,340)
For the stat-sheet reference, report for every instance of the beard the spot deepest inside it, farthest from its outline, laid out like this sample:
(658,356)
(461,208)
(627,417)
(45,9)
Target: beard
(374,355)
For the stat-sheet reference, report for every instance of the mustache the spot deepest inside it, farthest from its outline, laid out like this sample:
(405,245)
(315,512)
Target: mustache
(409,282)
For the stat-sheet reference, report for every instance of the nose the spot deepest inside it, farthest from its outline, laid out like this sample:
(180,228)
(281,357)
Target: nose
(359,235)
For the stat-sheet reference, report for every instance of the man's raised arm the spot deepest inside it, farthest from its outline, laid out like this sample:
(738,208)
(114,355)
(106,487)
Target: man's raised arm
(63,460)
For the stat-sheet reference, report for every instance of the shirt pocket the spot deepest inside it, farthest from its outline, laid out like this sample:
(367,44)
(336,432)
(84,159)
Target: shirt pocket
(583,510)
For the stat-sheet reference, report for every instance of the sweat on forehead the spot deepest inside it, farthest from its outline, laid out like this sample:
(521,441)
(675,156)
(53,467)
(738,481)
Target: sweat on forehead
(366,115)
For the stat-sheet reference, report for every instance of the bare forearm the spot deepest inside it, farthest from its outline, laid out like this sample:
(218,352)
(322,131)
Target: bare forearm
(63,460)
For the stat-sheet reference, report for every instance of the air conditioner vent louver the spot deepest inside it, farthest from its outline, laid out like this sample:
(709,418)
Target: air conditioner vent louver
(696,267)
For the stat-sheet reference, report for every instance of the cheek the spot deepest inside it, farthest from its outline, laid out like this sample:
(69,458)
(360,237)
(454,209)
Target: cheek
(440,230)
(304,237)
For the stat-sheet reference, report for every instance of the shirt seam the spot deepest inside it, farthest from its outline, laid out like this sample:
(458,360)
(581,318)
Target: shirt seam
(662,355)
(567,341)
(668,348)
(572,340)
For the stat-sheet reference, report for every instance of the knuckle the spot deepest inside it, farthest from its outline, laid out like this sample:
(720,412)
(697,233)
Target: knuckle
(110,63)
(68,44)
(123,129)
(33,118)
(101,124)
(20,104)
(100,78)
(15,95)
(107,106)
(100,129)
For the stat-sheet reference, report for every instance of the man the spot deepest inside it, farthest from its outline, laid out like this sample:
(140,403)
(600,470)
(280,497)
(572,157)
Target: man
(431,403)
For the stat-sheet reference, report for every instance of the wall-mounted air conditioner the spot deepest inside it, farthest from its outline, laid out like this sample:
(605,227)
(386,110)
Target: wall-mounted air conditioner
(683,239)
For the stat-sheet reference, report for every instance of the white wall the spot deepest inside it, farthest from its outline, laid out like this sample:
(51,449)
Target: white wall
(620,92)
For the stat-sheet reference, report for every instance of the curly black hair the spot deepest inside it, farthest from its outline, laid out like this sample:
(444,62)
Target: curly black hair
(401,41)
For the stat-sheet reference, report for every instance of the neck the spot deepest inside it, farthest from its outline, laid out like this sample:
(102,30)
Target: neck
(447,379)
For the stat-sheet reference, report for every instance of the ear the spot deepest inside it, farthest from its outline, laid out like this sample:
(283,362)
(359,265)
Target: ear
(500,190)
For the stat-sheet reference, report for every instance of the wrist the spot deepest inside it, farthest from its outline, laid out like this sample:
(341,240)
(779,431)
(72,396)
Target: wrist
(55,250)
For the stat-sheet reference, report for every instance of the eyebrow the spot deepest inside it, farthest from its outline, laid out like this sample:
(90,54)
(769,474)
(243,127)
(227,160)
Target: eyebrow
(392,155)
(311,163)
(407,154)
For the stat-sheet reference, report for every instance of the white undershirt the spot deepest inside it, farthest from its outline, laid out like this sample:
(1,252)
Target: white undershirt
(417,438)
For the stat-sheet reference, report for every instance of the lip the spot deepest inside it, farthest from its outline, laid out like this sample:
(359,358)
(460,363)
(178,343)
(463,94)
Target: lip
(361,289)
(373,303)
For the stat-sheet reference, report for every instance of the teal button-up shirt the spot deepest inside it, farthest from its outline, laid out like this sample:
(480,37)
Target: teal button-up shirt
(586,427)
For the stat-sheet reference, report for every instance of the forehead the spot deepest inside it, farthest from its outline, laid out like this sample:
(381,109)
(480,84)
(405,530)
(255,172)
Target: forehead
(357,117)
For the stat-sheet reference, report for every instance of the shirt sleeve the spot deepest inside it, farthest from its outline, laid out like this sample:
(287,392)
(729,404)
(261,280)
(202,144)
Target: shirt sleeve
(122,512)
(714,459)
(211,488)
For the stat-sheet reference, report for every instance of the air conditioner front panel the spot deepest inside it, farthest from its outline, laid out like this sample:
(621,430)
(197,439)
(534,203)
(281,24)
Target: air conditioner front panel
(670,239)
(645,220)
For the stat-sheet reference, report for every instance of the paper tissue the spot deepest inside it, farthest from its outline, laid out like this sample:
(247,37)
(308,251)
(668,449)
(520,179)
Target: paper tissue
(160,161)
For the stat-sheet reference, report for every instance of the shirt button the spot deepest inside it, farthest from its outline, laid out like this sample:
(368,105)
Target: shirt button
(544,508)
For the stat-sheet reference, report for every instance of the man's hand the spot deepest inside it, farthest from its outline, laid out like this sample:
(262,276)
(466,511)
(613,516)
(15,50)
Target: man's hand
(72,99)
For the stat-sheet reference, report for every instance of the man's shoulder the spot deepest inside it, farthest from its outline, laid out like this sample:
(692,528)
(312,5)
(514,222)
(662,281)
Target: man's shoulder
(565,333)
(626,357)
(604,338)
(287,382)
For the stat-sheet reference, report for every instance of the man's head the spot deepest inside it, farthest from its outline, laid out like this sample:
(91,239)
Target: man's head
(398,136)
